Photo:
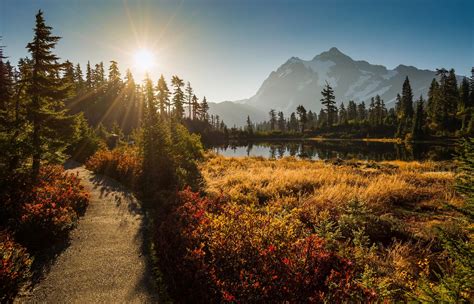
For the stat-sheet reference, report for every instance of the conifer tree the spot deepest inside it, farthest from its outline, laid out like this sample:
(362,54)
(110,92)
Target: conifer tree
(89,76)
(204,108)
(163,95)
(249,125)
(351,110)
(361,112)
(78,78)
(189,98)
(329,102)
(46,110)
(301,111)
(196,107)
(342,114)
(281,121)
(114,73)
(273,119)
(178,97)
(418,120)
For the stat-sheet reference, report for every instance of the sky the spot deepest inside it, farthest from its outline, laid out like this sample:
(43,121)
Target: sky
(227,48)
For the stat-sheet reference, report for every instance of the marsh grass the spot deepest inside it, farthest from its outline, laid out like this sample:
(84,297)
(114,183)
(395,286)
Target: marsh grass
(382,216)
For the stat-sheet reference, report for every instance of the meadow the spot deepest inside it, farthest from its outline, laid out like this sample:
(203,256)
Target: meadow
(310,231)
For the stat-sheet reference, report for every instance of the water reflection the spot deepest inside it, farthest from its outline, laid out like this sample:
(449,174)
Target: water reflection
(376,151)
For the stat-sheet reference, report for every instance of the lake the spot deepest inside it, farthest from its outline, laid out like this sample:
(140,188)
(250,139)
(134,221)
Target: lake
(344,149)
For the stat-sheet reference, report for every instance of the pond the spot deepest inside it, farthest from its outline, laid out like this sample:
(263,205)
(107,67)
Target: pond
(343,149)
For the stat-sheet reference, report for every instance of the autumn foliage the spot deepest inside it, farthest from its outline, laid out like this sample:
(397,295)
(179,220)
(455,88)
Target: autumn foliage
(218,252)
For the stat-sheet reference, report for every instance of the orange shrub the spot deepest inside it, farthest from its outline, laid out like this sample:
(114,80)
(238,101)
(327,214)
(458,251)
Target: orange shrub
(123,164)
(214,252)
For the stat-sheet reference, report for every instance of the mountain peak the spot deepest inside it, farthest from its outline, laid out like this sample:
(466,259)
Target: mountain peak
(334,50)
(332,53)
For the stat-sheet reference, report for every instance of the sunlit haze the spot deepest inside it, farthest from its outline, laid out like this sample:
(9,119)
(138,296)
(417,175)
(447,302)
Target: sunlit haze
(227,48)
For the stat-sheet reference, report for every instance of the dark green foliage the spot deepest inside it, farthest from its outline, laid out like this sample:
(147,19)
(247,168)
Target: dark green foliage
(302,117)
(456,281)
(329,103)
(418,120)
(51,127)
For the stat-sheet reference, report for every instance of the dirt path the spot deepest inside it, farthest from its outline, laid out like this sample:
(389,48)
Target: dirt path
(105,262)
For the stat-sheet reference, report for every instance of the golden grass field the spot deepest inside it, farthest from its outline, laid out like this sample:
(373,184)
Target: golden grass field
(397,204)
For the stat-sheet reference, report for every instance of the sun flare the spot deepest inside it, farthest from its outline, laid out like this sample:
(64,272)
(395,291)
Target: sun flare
(144,59)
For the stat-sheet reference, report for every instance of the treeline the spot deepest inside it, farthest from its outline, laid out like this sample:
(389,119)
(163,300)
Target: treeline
(448,111)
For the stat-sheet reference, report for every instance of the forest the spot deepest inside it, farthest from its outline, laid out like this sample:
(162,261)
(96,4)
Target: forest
(236,230)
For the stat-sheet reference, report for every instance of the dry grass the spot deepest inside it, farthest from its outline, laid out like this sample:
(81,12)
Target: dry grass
(385,187)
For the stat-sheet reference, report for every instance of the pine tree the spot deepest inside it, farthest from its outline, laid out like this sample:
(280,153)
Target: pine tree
(196,107)
(204,108)
(273,119)
(301,111)
(189,98)
(418,120)
(163,95)
(433,106)
(78,78)
(249,125)
(406,109)
(329,102)
(361,112)
(342,114)
(89,76)
(46,111)
(114,73)
(293,122)
(178,97)
(150,102)
(281,121)
(351,110)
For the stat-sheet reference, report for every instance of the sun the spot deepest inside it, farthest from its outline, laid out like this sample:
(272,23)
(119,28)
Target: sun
(144,60)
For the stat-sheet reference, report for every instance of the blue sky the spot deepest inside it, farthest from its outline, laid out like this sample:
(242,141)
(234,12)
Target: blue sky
(226,48)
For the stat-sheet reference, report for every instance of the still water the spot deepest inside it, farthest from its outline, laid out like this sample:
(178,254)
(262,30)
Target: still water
(360,150)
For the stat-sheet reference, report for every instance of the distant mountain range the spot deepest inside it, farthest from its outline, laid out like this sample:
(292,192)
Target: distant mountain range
(299,82)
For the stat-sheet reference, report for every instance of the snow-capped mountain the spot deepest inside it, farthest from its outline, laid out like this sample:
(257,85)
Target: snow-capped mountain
(299,82)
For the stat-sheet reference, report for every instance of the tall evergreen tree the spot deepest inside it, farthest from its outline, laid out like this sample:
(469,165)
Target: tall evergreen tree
(204,108)
(273,119)
(163,95)
(178,97)
(301,111)
(89,76)
(78,78)
(46,110)
(189,98)
(329,102)
(418,120)
(196,107)
(281,121)
(114,73)
(249,125)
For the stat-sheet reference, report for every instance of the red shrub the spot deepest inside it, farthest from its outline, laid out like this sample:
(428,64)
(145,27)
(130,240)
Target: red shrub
(44,211)
(217,252)
(14,267)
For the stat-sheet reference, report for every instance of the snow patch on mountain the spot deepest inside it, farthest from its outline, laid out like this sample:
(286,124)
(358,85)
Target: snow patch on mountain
(359,82)
(322,68)
(390,74)
(285,73)
(366,92)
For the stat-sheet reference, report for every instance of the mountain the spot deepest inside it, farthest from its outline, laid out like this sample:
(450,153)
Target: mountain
(299,82)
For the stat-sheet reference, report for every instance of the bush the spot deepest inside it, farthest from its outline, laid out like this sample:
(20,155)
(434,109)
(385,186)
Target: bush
(14,267)
(43,212)
(123,164)
(214,252)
